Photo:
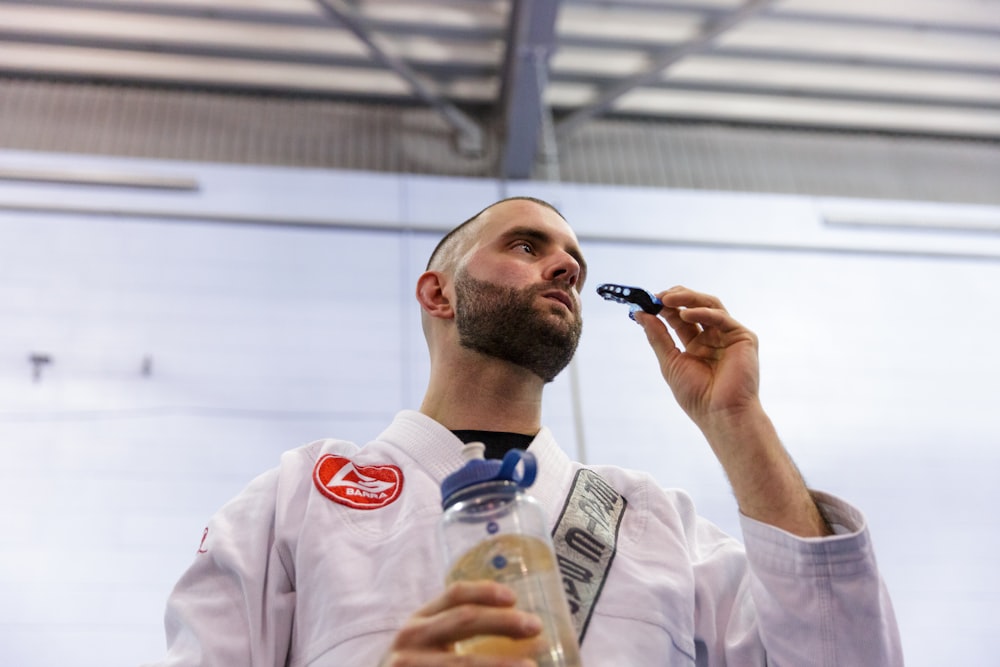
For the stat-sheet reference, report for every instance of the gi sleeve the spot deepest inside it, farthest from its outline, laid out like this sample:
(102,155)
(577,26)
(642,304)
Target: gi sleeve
(234,605)
(821,601)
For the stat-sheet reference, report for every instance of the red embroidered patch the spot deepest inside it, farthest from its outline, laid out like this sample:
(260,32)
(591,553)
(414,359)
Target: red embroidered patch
(360,487)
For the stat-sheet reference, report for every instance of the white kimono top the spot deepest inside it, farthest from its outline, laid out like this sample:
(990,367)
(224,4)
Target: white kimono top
(320,561)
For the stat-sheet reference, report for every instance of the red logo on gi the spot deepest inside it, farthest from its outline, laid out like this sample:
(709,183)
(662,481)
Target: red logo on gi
(360,487)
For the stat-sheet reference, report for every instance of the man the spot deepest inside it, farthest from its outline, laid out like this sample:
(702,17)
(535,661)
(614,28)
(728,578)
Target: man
(332,559)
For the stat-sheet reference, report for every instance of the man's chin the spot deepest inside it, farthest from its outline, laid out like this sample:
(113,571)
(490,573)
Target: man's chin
(561,316)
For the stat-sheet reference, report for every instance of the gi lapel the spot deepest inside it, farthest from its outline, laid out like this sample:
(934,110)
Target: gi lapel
(586,540)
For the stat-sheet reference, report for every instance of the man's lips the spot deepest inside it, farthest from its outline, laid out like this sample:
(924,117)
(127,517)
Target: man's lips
(562,297)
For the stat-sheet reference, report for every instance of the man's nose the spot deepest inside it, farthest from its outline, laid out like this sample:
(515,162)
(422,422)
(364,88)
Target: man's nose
(565,268)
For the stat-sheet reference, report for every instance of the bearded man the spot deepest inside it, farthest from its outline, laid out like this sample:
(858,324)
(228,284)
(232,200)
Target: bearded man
(332,558)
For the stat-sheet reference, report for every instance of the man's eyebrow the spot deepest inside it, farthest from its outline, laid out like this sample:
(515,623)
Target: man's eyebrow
(533,234)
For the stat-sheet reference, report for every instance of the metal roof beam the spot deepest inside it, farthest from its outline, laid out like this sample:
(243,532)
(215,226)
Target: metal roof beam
(784,55)
(439,70)
(169,9)
(819,17)
(666,59)
(454,69)
(525,75)
(468,133)
(219,86)
(385,26)
(825,93)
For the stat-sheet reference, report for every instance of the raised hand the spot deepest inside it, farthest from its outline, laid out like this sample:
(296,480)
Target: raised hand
(715,375)
(715,379)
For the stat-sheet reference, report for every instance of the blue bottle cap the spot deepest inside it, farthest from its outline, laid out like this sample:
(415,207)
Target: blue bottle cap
(479,470)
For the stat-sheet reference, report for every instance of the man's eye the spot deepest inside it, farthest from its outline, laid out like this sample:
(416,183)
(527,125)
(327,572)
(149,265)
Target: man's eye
(527,247)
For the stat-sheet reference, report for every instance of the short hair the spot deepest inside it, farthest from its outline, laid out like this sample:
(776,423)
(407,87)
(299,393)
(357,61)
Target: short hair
(450,240)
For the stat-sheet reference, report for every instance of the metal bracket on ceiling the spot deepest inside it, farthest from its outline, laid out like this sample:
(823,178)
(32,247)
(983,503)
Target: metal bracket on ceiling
(531,41)
(468,134)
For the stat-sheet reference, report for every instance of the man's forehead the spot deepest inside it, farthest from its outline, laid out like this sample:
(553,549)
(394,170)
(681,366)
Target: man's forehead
(523,214)
(494,224)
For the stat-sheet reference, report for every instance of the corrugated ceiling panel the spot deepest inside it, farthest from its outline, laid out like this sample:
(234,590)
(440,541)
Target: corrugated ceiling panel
(216,127)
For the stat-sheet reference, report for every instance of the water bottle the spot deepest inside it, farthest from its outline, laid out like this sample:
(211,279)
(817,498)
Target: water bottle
(491,529)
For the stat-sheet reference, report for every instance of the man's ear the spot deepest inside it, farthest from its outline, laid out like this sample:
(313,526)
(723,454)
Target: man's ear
(431,295)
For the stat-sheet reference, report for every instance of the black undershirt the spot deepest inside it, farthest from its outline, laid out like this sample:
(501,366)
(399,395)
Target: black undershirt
(497,443)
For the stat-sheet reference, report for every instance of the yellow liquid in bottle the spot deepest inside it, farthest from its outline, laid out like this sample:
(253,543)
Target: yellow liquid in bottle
(526,565)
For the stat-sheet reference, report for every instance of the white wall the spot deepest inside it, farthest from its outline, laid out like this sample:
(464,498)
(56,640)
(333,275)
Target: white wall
(878,366)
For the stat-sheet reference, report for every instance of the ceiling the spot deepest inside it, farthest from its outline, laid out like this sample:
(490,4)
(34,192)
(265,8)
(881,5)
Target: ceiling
(544,68)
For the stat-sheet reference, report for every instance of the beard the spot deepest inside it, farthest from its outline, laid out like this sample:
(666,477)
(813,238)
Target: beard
(504,323)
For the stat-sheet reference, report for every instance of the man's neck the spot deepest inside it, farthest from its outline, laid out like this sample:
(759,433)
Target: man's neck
(490,396)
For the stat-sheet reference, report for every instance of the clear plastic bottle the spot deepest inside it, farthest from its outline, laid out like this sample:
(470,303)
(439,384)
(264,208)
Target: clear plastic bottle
(491,529)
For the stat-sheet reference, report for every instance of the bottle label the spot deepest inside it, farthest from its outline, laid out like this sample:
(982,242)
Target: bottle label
(586,540)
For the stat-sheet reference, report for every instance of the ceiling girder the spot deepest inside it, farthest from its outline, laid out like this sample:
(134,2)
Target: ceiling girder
(172,9)
(454,70)
(799,92)
(453,50)
(786,55)
(439,70)
(525,75)
(662,62)
(382,26)
(846,15)
(387,26)
(469,135)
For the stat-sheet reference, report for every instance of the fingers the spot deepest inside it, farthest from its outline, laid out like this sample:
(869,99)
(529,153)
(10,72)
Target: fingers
(465,610)
(677,301)
(657,334)
(484,592)
(425,659)
(686,331)
(690,313)
(680,296)
(438,660)
(468,620)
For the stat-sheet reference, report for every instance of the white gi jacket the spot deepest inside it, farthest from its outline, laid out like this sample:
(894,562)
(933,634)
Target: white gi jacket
(291,575)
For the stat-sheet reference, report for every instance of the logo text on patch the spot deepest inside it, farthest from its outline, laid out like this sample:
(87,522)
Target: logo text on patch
(360,487)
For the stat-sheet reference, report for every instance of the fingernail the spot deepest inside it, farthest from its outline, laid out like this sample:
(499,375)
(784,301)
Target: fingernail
(531,624)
